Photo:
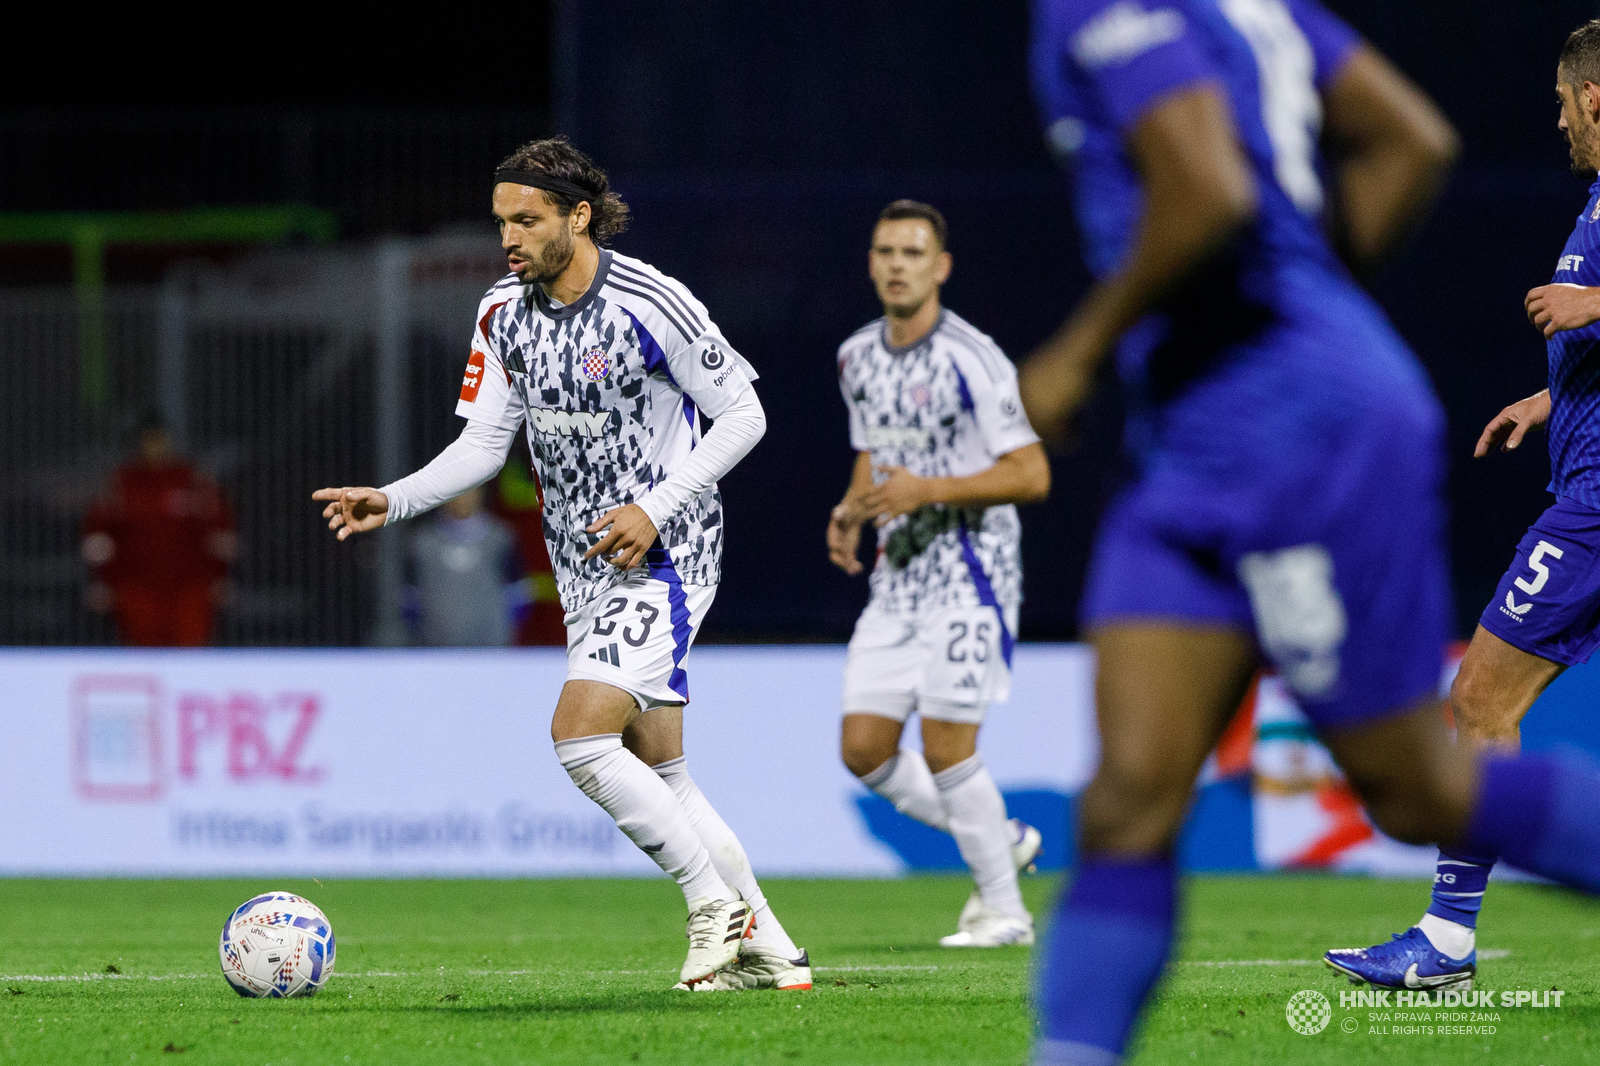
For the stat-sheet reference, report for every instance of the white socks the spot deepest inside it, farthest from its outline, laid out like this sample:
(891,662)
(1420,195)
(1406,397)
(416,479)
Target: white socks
(727,855)
(1452,938)
(977,817)
(964,802)
(904,781)
(645,809)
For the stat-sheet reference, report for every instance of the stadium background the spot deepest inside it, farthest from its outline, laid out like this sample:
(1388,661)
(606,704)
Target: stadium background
(279,248)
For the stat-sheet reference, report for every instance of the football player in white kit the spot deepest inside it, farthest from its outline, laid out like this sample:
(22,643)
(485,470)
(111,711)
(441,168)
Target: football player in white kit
(943,452)
(608,363)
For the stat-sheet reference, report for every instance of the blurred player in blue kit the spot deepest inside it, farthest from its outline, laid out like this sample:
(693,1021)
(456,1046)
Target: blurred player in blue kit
(1545,616)
(1287,502)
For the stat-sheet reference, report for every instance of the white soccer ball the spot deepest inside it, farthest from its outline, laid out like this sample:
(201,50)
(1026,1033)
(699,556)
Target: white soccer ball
(277,945)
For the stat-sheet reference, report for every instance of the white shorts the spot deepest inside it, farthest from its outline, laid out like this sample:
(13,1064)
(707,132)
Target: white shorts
(636,637)
(947,664)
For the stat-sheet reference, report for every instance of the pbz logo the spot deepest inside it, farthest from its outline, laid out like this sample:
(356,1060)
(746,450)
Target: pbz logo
(246,736)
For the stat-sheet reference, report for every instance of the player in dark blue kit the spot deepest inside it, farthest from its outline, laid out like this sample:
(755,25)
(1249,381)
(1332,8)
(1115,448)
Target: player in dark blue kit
(1287,502)
(1545,616)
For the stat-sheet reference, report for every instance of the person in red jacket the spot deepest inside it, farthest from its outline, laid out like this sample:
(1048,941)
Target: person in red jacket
(158,544)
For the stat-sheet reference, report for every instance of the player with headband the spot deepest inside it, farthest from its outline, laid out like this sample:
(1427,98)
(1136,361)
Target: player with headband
(609,363)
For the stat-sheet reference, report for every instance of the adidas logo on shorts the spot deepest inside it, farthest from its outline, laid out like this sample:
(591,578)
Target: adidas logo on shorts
(606,655)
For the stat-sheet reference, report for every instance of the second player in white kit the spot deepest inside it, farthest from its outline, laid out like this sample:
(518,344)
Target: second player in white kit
(608,364)
(944,452)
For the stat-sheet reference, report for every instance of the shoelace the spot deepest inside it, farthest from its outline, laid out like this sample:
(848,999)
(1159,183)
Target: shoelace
(702,929)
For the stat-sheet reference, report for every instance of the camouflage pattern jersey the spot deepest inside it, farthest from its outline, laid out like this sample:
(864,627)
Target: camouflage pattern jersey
(610,388)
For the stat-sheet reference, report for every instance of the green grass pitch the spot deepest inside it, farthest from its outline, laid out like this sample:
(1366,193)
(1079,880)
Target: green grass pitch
(580,971)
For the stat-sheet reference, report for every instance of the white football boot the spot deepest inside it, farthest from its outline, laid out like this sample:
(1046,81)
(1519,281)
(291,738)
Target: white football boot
(1026,848)
(754,969)
(715,930)
(1024,851)
(985,927)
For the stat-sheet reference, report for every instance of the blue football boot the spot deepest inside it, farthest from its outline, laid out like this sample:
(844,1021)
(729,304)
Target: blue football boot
(1408,960)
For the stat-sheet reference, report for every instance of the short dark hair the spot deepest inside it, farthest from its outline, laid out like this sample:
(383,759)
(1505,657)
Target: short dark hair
(555,156)
(916,209)
(1580,56)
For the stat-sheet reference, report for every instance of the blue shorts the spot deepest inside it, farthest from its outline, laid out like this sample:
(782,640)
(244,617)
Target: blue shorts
(1330,551)
(1548,604)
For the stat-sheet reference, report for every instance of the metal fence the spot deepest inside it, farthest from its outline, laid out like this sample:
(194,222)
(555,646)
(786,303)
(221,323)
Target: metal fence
(293,370)
(379,169)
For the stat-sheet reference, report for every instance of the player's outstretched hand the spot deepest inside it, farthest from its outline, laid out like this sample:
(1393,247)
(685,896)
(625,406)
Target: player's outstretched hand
(1506,429)
(632,534)
(901,492)
(1553,308)
(353,510)
(844,538)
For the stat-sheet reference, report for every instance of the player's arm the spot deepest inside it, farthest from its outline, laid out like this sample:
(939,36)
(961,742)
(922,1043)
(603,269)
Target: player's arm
(1020,476)
(1557,307)
(1392,150)
(471,459)
(1506,429)
(844,524)
(466,462)
(1198,193)
(717,379)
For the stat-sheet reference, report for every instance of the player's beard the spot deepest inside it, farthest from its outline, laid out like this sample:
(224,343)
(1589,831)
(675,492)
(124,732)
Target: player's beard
(553,259)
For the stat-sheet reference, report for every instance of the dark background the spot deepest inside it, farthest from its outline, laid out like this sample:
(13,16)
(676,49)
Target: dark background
(756,144)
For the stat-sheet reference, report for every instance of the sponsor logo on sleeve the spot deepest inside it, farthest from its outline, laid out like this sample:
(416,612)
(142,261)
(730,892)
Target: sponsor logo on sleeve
(473,378)
(712,357)
(1125,30)
(1569,263)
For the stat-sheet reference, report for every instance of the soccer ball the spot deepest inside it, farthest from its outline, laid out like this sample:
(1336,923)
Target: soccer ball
(277,945)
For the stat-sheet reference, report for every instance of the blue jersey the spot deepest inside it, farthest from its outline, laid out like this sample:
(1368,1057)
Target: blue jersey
(1276,327)
(1574,426)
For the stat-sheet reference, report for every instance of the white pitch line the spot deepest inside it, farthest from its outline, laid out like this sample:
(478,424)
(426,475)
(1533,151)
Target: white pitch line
(82,977)
(1486,953)
(108,977)
(1248,962)
(852,969)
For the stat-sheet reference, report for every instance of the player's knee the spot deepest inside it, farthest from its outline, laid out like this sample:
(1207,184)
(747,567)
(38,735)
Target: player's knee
(1468,700)
(862,755)
(1481,713)
(1131,809)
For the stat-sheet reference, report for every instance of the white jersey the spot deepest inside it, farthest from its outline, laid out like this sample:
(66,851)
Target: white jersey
(945,407)
(609,387)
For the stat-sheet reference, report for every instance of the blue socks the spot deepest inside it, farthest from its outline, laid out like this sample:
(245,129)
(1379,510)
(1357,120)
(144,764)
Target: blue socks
(1541,813)
(1108,943)
(1458,885)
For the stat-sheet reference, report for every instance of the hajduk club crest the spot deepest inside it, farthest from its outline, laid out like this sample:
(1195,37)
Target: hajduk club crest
(596,363)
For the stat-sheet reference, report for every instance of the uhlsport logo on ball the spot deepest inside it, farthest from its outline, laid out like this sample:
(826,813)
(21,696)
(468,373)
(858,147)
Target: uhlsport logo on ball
(1308,1012)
